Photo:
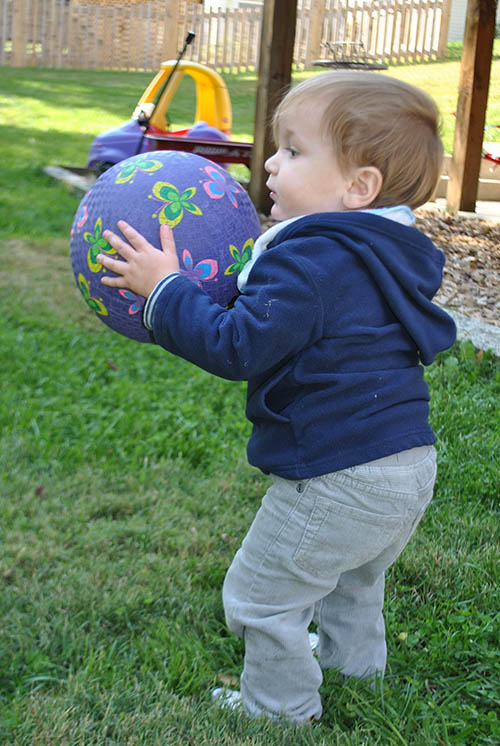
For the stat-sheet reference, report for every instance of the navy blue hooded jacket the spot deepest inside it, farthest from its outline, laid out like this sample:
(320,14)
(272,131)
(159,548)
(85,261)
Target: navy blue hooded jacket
(336,319)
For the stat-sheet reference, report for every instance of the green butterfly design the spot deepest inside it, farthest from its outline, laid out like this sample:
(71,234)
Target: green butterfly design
(130,169)
(174,203)
(94,303)
(98,244)
(240,259)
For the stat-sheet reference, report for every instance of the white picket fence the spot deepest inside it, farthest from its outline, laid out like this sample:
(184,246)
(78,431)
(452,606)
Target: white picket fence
(122,34)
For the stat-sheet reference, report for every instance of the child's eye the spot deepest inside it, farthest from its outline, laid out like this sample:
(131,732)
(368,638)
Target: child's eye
(292,151)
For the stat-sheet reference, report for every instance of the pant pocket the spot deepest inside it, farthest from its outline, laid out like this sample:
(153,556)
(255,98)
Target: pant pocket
(340,535)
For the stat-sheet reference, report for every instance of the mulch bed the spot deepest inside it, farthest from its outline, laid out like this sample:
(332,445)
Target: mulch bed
(471,281)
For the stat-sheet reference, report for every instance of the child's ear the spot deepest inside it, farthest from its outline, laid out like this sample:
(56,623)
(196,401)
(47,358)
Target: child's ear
(366,183)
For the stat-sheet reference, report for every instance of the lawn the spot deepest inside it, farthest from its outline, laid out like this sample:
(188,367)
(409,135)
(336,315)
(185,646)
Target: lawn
(126,493)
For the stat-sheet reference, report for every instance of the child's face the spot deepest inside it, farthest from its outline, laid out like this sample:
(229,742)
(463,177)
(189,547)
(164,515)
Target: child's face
(304,176)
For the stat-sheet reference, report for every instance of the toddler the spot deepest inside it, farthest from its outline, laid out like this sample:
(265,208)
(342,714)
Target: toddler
(332,328)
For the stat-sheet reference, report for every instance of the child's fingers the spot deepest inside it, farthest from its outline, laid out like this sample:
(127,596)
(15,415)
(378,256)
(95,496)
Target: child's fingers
(143,266)
(134,238)
(114,282)
(114,265)
(118,244)
(135,241)
(167,240)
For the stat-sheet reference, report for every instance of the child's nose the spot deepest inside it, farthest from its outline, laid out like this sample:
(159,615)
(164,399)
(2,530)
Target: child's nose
(271,164)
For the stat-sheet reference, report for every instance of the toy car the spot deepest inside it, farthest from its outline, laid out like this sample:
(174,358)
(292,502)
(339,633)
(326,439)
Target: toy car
(148,129)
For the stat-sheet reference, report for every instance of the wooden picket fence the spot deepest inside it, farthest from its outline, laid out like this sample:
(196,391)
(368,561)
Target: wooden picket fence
(86,35)
(139,34)
(391,30)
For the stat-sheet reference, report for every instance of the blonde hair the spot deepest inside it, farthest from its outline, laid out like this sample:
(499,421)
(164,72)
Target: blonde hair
(377,120)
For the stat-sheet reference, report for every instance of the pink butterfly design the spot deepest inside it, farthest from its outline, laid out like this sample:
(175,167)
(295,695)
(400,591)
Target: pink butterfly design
(202,272)
(80,219)
(136,301)
(219,186)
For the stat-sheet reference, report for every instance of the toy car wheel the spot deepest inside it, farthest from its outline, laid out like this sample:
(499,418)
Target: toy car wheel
(102,166)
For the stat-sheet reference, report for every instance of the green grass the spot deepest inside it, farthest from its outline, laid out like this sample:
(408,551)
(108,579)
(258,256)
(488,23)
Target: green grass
(50,117)
(126,493)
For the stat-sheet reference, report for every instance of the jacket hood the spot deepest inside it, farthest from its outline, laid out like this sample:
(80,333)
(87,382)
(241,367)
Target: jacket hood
(402,261)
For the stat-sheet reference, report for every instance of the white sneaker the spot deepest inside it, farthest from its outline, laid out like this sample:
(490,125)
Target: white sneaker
(229,699)
(314,642)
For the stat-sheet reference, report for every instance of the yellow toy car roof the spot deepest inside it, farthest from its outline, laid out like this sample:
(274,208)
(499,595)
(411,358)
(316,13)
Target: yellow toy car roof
(213,104)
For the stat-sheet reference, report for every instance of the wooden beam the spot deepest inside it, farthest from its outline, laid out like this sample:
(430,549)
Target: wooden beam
(471,107)
(275,74)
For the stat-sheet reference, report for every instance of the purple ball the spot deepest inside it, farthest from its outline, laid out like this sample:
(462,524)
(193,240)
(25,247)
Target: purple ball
(213,219)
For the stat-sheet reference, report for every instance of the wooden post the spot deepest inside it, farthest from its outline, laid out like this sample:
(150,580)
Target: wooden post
(316,30)
(444,28)
(171,24)
(275,74)
(19,34)
(471,107)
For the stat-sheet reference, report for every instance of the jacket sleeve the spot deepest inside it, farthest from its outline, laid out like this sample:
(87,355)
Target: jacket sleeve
(279,314)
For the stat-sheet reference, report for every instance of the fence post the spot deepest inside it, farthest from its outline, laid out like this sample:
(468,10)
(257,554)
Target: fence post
(316,30)
(171,22)
(444,28)
(19,33)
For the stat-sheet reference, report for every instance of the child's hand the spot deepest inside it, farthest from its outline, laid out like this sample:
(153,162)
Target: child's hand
(144,266)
